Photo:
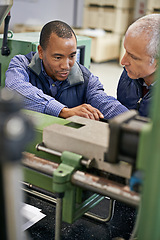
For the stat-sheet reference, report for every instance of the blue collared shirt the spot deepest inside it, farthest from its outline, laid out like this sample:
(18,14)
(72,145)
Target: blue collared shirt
(17,78)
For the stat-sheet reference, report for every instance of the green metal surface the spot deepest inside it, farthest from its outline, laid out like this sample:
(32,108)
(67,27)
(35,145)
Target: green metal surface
(62,176)
(62,184)
(15,47)
(73,206)
(85,41)
(40,121)
(149,162)
(23,43)
(37,179)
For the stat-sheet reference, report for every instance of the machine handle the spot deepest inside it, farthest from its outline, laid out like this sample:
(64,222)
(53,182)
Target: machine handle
(5,51)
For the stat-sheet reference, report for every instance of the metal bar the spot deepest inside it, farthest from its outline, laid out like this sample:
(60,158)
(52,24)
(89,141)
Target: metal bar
(101,219)
(39,192)
(41,147)
(105,187)
(88,204)
(40,195)
(58,218)
(39,164)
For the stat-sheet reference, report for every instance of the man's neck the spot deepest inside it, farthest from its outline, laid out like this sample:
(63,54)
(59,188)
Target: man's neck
(149,79)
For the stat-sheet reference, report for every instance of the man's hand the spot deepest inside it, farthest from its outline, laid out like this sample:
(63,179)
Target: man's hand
(84,110)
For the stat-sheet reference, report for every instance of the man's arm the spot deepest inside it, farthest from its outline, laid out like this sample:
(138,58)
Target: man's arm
(17,79)
(107,105)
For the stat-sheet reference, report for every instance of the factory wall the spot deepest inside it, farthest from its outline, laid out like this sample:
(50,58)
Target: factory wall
(111,17)
(38,12)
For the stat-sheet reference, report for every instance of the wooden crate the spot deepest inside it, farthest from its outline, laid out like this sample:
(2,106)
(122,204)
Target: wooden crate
(105,48)
(92,17)
(110,19)
(117,21)
(114,3)
(153,11)
(153,5)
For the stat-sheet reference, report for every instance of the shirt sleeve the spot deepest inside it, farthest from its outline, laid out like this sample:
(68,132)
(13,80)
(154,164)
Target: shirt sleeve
(17,78)
(96,96)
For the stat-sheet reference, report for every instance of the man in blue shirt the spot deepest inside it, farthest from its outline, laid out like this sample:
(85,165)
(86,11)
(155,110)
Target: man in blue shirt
(142,46)
(52,82)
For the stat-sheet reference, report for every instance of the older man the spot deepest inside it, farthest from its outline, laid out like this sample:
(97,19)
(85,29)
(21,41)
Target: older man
(142,46)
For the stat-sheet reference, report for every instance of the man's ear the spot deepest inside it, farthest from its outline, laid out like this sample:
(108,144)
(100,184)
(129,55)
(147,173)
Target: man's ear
(40,51)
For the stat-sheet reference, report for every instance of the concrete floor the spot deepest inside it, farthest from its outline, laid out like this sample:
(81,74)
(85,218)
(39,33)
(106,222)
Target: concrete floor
(109,74)
(118,228)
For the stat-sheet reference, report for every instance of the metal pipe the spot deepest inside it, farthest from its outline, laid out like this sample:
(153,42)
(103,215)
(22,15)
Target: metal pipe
(41,147)
(85,162)
(58,218)
(105,187)
(85,180)
(39,164)
(100,219)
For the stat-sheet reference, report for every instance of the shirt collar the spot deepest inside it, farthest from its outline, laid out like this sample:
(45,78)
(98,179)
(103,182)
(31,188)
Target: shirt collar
(142,82)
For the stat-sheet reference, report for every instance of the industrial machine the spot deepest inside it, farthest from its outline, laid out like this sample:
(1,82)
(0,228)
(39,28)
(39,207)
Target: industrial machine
(76,154)
(72,155)
(118,159)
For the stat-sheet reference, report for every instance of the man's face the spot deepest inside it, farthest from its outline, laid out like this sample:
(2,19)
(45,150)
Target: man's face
(59,56)
(137,62)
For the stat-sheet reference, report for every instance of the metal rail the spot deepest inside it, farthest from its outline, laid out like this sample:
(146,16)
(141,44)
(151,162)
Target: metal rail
(105,187)
(85,180)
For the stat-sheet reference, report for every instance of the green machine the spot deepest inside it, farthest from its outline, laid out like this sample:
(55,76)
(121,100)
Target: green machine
(63,156)
(23,43)
(127,146)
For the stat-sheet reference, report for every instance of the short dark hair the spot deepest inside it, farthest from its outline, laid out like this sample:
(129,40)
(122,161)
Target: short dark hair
(61,29)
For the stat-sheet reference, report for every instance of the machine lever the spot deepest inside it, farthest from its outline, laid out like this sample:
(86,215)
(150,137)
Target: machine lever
(5,51)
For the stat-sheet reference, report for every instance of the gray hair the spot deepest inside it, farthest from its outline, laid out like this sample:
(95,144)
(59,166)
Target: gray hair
(150,26)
